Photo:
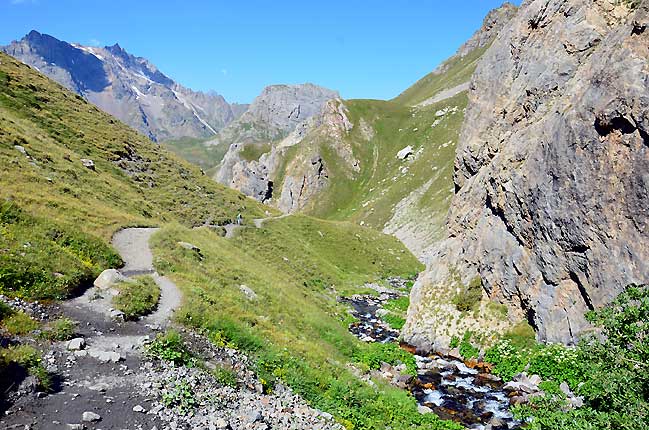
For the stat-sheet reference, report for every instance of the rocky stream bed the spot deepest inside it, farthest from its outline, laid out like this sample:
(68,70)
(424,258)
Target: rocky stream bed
(444,385)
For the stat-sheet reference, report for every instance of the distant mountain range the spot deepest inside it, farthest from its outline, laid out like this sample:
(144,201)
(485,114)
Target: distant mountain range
(128,87)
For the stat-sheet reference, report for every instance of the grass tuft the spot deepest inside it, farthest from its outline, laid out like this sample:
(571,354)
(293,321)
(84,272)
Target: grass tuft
(19,323)
(137,297)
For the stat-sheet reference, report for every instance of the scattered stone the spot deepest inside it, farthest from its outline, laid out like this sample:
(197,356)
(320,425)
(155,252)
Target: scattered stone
(188,246)
(108,278)
(405,153)
(88,163)
(248,292)
(116,314)
(221,423)
(76,344)
(105,356)
(90,417)
(139,408)
(254,416)
(424,409)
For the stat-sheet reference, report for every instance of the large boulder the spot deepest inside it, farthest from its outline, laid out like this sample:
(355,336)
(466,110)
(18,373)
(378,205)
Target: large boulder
(108,278)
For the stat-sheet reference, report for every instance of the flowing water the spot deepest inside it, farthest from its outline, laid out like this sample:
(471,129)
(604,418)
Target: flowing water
(447,386)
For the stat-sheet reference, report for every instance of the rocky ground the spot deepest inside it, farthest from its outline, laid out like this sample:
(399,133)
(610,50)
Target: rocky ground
(105,380)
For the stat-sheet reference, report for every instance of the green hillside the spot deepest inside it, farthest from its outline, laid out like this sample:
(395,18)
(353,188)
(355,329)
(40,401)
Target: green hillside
(196,151)
(134,181)
(454,71)
(384,180)
(57,216)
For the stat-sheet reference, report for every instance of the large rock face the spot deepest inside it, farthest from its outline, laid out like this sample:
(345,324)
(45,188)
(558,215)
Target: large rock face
(128,87)
(277,119)
(552,170)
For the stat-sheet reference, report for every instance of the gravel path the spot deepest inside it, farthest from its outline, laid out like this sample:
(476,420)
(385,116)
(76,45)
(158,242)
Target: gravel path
(108,383)
(133,246)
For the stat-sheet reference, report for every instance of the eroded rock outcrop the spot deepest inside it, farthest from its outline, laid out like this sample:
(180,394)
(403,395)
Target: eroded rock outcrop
(277,119)
(306,175)
(552,186)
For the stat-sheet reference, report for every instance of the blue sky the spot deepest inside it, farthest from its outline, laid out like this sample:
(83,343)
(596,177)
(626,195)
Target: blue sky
(362,48)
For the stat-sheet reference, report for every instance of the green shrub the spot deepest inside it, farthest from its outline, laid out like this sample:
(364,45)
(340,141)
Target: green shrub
(394,321)
(398,305)
(179,396)
(137,297)
(225,376)
(19,323)
(376,353)
(5,310)
(455,342)
(467,350)
(468,298)
(610,372)
(28,358)
(170,347)
(557,362)
(60,329)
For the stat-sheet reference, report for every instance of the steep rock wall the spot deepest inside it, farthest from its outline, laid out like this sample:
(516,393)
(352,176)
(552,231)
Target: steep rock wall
(552,170)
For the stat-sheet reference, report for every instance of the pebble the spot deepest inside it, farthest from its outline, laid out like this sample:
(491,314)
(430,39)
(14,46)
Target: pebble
(139,408)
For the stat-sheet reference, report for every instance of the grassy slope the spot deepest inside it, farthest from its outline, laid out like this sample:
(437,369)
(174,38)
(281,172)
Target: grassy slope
(455,71)
(195,151)
(372,194)
(58,128)
(295,329)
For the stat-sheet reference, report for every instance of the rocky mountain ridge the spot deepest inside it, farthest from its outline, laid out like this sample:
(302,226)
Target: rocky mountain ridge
(128,87)
(549,215)
(276,120)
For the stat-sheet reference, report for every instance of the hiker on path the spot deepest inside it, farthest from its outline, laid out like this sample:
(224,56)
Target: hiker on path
(239,218)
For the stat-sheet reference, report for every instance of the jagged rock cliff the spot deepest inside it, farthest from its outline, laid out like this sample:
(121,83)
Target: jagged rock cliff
(277,119)
(551,209)
(128,87)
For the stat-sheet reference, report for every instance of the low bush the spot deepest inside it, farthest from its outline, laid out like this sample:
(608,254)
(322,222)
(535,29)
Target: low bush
(467,350)
(5,310)
(137,297)
(610,371)
(394,321)
(19,323)
(180,396)
(27,358)
(60,329)
(398,305)
(170,347)
(225,376)
(376,353)
(468,298)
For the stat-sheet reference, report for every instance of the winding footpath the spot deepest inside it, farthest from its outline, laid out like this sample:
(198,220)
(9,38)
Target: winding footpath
(104,381)
(132,244)
(104,375)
